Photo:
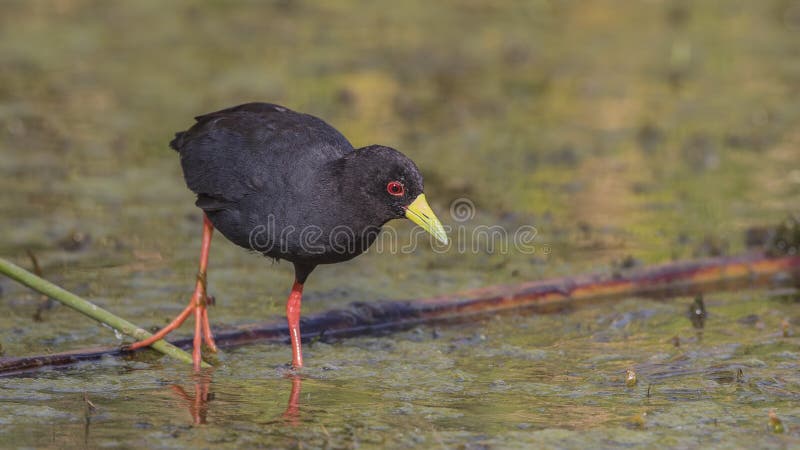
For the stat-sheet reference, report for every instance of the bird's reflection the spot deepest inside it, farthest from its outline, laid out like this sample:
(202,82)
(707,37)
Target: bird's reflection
(198,403)
(292,413)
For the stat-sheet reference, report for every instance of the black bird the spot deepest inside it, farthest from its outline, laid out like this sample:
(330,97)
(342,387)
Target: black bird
(290,186)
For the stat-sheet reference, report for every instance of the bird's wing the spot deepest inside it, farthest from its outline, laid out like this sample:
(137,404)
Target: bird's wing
(231,153)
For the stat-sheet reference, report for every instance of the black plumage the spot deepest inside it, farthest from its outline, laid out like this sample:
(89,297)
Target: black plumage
(289,185)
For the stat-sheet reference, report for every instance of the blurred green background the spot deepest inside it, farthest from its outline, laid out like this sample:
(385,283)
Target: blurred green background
(625,132)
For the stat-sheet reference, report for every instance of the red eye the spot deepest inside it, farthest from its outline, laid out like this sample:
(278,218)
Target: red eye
(395,188)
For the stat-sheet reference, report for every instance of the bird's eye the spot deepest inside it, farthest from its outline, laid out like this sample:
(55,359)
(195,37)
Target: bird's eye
(395,188)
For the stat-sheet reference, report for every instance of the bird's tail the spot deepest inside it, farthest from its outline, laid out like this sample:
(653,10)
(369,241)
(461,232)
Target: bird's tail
(177,142)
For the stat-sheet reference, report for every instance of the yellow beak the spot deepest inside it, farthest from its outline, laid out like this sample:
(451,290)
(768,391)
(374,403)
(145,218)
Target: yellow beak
(421,214)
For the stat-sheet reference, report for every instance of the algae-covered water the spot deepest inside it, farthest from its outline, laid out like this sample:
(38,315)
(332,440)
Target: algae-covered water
(625,133)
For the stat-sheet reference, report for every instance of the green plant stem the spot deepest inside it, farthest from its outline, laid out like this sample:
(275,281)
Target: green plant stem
(89,309)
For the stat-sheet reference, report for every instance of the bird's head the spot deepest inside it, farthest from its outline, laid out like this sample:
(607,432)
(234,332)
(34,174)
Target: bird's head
(390,186)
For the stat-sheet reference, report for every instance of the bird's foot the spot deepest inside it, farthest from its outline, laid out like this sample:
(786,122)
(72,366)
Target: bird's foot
(289,371)
(160,334)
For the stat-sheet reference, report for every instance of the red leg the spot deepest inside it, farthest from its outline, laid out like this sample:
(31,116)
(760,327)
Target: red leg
(293,317)
(197,344)
(207,336)
(202,300)
(197,304)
